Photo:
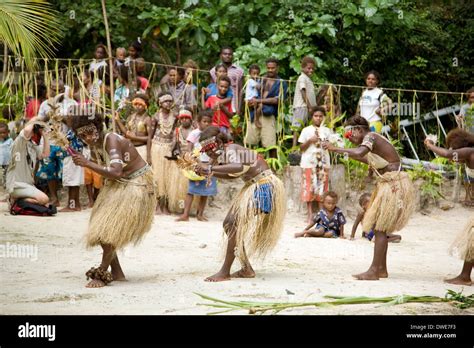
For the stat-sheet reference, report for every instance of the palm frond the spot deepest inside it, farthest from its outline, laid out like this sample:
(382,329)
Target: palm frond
(30,29)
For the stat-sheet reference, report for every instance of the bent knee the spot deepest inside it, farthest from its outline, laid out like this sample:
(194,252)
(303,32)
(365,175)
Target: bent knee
(41,198)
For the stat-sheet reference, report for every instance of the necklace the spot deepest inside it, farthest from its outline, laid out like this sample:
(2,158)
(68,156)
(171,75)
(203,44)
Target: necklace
(166,124)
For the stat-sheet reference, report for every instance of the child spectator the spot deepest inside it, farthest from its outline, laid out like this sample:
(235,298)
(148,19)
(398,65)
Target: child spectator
(364,201)
(191,67)
(73,175)
(315,161)
(329,220)
(5,147)
(199,187)
(221,105)
(13,126)
(120,56)
(211,89)
(99,58)
(179,183)
(253,91)
(134,51)
(140,70)
(305,97)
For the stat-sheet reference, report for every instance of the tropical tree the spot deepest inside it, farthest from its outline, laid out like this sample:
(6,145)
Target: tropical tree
(29,29)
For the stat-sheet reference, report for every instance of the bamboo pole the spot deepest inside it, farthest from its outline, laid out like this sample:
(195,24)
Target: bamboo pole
(5,61)
(111,66)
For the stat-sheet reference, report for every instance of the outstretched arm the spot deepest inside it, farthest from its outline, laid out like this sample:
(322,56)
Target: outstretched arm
(357,153)
(114,170)
(453,155)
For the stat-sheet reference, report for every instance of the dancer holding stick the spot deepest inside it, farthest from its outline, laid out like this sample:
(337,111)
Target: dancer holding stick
(392,201)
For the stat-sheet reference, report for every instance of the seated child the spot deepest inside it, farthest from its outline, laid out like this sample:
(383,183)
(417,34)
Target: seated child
(329,220)
(364,201)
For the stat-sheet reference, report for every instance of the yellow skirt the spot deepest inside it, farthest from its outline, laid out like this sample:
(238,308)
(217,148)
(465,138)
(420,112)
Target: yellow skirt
(463,245)
(259,210)
(391,204)
(123,212)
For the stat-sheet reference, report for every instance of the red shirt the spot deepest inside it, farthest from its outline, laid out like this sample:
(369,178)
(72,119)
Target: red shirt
(220,118)
(144,82)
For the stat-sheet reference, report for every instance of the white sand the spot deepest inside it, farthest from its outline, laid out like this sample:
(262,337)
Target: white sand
(171,263)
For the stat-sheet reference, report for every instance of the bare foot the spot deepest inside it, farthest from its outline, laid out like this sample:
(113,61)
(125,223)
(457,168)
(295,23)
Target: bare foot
(369,275)
(218,277)
(55,203)
(165,211)
(248,273)
(459,281)
(182,218)
(90,205)
(69,210)
(382,273)
(202,218)
(95,283)
(300,234)
(468,203)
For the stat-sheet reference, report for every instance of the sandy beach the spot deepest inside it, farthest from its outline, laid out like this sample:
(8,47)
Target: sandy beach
(169,266)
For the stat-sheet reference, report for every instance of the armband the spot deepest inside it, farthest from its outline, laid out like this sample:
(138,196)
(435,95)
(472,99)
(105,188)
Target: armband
(117,160)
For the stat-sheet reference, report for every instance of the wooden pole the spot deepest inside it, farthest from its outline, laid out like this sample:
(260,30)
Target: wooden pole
(5,61)
(111,64)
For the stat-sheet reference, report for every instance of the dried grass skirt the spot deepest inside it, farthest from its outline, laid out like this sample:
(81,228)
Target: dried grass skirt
(256,230)
(391,203)
(123,212)
(463,245)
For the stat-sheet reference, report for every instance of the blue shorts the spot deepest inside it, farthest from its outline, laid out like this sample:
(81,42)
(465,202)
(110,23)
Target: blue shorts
(369,235)
(335,233)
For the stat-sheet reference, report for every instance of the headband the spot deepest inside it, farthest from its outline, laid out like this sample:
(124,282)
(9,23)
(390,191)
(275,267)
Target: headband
(165,98)
(185,114)
(139,101)
(208,144)
(89,128)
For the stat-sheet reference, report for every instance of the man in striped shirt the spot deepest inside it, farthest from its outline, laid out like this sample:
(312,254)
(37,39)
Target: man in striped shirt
(235,74)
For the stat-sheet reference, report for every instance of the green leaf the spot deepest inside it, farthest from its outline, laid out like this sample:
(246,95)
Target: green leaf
(253,28)
(200,37)
(215,36)
(165,29)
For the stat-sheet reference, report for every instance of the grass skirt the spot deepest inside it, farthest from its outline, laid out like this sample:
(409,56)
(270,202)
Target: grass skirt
(177,188)
(123,212)
(463,245)
(391,204)
(161,167)
(257,231)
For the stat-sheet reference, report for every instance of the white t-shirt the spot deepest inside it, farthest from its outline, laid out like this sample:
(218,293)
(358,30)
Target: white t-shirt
(369,102)
(304,82)
(308,157)
(193,137)
(251,90)
(96,65)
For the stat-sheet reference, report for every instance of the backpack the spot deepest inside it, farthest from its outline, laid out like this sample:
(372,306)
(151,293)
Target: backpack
(22,207)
